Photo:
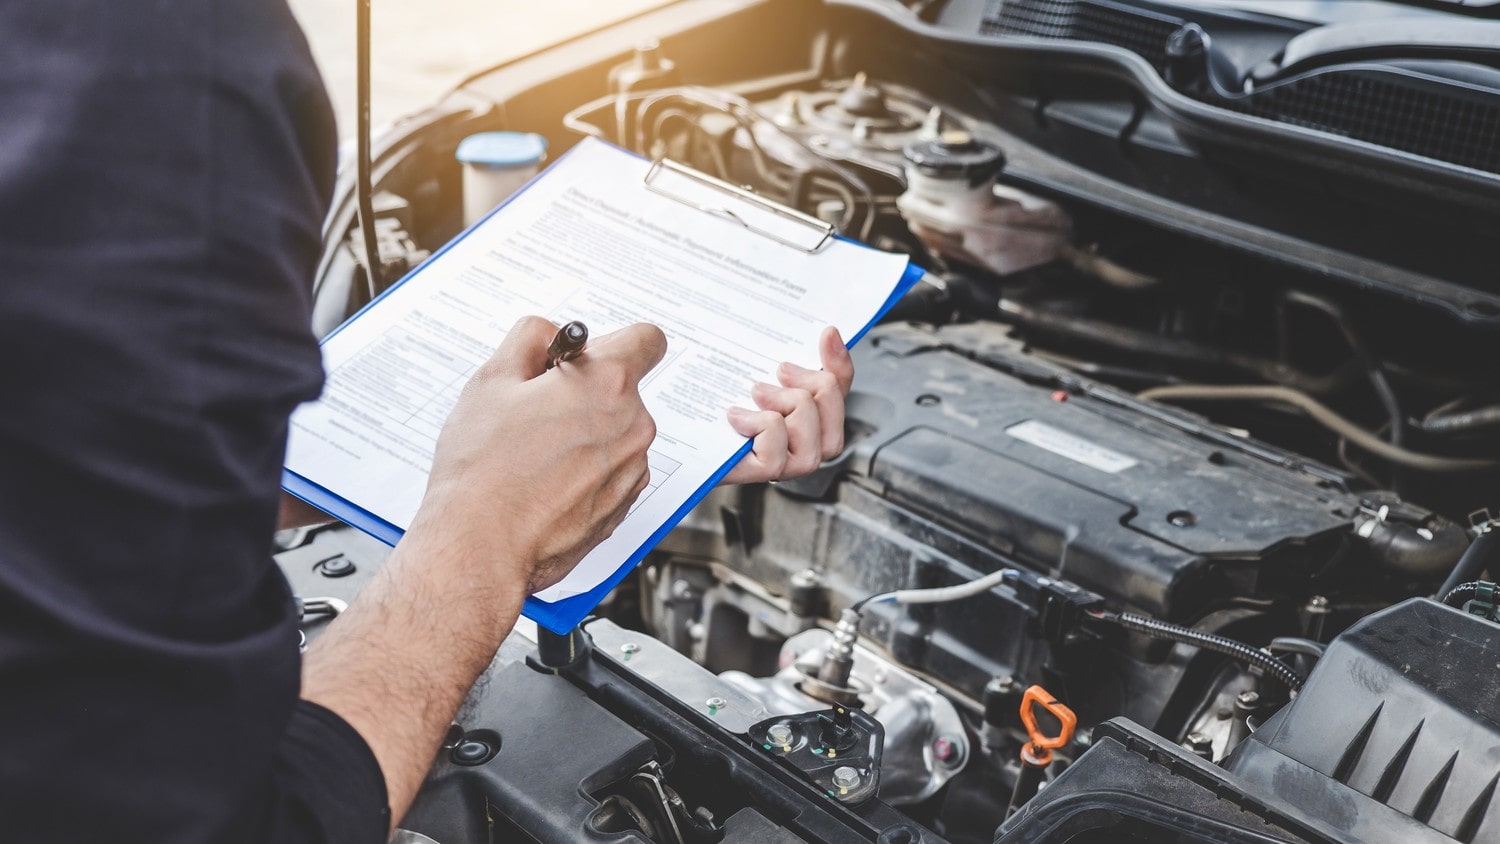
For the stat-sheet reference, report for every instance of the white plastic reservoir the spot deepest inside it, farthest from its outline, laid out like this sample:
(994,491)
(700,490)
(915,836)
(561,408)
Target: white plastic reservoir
(496,165)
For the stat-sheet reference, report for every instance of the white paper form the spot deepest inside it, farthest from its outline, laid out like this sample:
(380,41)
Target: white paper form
(586,241)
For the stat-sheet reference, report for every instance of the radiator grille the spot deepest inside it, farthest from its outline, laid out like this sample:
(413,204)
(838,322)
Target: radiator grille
(1084,20)
(1360,104)
(1367,105)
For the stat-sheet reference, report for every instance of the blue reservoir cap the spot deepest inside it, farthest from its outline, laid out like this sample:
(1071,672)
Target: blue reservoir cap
(501,150)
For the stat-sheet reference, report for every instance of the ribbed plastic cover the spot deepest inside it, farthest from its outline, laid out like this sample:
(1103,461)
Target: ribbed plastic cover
(1403,711)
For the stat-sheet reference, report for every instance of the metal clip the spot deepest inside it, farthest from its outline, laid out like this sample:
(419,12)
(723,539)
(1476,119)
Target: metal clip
(818,231)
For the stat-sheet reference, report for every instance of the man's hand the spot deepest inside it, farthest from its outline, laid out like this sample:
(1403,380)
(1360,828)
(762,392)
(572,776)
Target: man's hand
(801,423)
(536,469)
(532,469)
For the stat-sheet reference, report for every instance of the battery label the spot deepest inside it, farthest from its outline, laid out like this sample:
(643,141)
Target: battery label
(1071,446)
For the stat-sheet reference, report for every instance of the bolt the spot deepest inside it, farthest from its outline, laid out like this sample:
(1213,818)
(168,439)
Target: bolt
(1248,699)
(780,735)
(947,750)
(806,579)
(1200,744)
(790,115)
(845,777)
(1002,685)
(1317,610)
(630,649)
(934,124)
(714,704)
(471,752)
(339,566)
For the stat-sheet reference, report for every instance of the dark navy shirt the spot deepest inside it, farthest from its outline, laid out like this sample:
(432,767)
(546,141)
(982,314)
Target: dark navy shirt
(165,167)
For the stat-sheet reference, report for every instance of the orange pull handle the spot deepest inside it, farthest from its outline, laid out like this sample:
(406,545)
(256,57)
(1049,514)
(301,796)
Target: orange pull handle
(1042,745)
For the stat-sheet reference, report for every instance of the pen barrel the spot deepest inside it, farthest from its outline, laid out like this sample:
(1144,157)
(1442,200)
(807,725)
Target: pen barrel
(568,343)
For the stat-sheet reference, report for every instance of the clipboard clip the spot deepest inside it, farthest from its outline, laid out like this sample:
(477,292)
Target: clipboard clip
(771,220)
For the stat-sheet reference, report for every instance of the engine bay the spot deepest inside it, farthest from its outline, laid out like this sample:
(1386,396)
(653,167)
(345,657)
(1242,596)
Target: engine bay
(1147,490)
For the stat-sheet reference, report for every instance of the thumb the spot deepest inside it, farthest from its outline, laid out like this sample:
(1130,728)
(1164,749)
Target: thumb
(523,353)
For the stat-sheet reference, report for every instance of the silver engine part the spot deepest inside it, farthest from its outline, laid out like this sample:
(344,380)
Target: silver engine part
(925,743)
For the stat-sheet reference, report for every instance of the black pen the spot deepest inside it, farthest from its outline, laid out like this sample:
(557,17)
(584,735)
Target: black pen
(568,343)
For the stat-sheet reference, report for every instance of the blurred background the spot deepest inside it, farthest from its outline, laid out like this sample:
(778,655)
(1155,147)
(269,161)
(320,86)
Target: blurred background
(422,48)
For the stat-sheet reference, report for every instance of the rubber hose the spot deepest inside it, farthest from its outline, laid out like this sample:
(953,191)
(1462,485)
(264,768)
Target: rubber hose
(1324,416)
(1483,553)
(1158,629)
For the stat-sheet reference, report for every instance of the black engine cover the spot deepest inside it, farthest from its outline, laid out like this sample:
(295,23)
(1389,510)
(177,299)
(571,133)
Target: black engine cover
(1092,492)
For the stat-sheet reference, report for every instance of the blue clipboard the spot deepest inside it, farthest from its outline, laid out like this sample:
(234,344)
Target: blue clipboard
(557,616)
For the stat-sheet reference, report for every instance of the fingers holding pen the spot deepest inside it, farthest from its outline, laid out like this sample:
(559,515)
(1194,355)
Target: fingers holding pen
(562,454)
(635,349)
(522,355)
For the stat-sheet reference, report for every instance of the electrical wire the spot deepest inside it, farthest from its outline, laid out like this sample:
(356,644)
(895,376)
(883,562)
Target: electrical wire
(843,183)
(1444,421)
(1373,370)
(744,113)
(1458,595)
(940,594)
(364,188)
(1324,416)
(1166,631)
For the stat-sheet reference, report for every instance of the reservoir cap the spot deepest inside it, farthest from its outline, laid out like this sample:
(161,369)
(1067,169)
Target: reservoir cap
(956,154)
(502,150)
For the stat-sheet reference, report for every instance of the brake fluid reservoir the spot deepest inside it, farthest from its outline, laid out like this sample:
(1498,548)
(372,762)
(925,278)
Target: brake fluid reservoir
(954,206)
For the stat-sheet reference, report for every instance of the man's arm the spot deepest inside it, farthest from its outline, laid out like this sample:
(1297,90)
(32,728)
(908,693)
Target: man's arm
(533,469)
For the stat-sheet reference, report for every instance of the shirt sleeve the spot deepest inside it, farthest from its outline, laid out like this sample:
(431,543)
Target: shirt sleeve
(165,169)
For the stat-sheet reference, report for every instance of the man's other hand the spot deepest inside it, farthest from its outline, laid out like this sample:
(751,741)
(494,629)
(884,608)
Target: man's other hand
(800,423)
(534,467)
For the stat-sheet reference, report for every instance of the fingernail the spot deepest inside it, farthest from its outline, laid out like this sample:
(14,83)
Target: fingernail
(737,412)
(789,368)
(766,388)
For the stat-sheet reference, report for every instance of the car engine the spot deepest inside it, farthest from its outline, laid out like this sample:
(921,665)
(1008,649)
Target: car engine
(1161,515)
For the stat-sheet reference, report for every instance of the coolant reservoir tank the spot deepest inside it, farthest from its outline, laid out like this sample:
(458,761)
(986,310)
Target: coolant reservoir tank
(954,206)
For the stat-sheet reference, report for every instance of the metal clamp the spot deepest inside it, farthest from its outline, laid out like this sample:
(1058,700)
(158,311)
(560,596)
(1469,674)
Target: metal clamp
(823,231)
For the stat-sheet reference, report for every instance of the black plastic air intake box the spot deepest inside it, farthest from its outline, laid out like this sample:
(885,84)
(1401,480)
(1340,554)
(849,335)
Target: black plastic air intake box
(1395,739)
(1396,736)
